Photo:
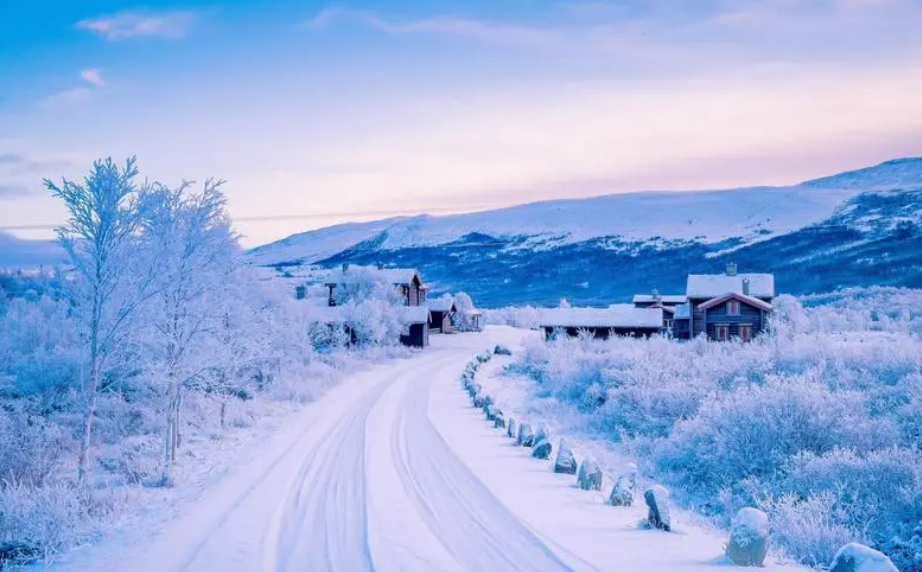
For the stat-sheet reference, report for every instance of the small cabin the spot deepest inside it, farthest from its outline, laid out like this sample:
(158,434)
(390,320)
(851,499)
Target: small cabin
(415,320)
(407,281)
(602,323)
(441,313)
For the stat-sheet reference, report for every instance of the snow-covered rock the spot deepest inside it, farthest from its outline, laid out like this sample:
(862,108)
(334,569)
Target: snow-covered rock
(566,460)
(526,435)
(489,411)
(487,402)
(590,475)
(622,494)
(499,420)
(502,350)
(657,499)
(542,449)
(474,389)
(543,432)
(854,557)
(512,428)
(748,542)
(479,400)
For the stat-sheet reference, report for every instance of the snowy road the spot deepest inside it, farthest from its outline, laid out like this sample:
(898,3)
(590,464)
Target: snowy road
(394,471)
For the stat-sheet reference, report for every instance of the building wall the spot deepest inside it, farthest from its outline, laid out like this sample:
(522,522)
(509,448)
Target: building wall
(718,315)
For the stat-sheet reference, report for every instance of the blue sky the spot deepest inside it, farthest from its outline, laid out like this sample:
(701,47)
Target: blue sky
(343,110)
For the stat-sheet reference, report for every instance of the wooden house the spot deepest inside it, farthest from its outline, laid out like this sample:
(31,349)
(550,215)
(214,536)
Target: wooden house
(441,313)
(602,323)
(407,281)
(725,306)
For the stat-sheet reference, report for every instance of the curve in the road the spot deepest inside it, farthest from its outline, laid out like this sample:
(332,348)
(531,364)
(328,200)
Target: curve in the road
(475,527)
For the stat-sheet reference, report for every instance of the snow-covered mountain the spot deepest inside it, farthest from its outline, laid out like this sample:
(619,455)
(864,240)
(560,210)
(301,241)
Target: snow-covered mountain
(853,228)
(17,253)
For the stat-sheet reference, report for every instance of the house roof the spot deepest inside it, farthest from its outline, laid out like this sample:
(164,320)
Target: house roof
(616,316)
(714,285)
(413,314)
(665,298)
(361,273)
(440,304)
(736,296)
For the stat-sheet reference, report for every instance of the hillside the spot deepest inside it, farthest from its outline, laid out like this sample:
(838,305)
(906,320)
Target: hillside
(851,229)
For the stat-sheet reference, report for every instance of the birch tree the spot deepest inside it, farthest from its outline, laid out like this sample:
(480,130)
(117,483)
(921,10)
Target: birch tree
(190,236)
(99,237)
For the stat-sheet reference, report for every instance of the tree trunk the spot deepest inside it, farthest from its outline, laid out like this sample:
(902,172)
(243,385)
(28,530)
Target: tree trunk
(83,461)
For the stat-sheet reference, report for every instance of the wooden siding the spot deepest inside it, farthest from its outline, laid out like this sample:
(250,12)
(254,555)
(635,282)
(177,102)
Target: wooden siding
(718,315)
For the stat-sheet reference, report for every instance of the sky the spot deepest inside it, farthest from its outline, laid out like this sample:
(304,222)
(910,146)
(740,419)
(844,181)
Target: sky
(317,113)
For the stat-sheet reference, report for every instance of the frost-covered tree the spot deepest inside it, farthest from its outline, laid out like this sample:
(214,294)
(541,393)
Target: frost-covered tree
(100,238)
(189,236)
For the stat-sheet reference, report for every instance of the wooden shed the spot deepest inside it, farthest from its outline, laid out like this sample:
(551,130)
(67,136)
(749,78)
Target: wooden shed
(441,313)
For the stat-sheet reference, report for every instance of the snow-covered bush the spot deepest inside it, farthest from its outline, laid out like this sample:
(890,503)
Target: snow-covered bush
(817,423)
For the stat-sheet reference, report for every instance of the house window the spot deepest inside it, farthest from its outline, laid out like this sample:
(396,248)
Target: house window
(733,308)
(723,333)
(745,332)
(668,324)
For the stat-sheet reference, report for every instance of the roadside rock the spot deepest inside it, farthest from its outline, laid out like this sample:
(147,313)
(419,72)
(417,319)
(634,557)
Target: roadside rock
(854,557)
(502,350)
(657,499)
(566,461)
(748,542)
(542,449)
(543,432)
(622,494)
(512,428)
(526,435)
(590,475)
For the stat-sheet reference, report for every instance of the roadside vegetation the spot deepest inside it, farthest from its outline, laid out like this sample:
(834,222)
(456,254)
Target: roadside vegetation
(819,423)
(154,340)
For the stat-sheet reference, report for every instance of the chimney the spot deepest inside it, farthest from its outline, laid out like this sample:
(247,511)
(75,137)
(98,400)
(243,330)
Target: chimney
(656,296)
(731,269)
(746,286)
(345,267)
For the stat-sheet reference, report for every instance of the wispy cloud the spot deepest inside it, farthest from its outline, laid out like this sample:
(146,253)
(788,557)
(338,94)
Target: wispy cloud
(93,77)
(138,24)
(92,80)
(450,25)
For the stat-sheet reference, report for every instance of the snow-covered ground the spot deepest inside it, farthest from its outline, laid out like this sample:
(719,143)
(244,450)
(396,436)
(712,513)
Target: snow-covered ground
(393,470)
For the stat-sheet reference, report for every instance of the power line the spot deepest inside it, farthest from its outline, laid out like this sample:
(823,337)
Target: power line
(306,216)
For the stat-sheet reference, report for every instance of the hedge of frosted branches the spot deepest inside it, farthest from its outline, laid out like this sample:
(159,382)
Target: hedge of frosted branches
(819,423)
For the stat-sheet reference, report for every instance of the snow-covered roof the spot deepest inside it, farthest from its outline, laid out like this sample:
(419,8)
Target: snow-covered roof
(361,273)
(617,316)
(714,285)
(413,314)
(736,296)
(440,304)
(664,298)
